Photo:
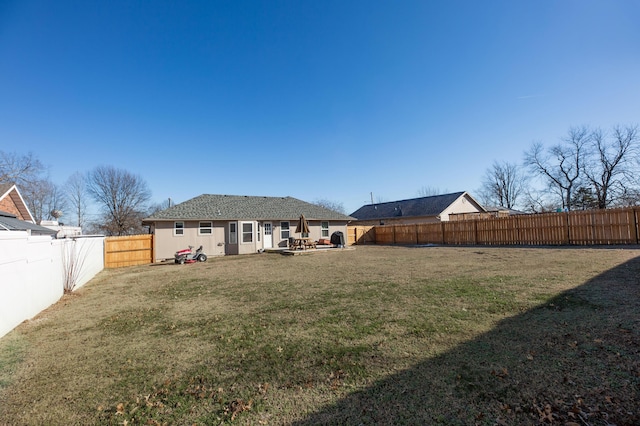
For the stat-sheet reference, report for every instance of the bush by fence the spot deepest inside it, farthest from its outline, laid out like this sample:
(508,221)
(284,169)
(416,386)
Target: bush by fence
(34,271)
(593,227)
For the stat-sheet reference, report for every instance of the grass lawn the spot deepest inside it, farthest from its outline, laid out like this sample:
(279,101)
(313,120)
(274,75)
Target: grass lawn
(376,335)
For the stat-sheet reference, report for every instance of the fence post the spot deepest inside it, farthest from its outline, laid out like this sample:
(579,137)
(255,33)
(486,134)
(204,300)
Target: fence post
(635,224)
(475,232)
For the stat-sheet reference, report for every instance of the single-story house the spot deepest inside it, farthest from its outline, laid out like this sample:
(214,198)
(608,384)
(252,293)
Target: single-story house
(12,202)
(235,224)
(10,222)
(431,209)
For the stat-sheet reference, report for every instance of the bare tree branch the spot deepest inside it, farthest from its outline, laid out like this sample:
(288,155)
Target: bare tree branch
(336,206)
(561,166)
(76,192)
(503,184)
(430,191)
(609,166)
(20,169)
(122,197)
(42,198)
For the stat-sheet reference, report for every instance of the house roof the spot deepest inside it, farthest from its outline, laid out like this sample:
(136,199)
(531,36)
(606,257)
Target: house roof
(10,222)
(238,207)
(423,206)
(10,190)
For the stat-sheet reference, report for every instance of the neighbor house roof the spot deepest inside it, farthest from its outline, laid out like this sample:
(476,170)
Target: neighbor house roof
(234,207)
(424,206)
(9,192)
(10,222)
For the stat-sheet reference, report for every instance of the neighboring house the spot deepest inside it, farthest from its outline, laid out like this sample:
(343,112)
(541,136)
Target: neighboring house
(233,224)
(12,202)
(436,208)
(13,209)
(10,222)
(491,212)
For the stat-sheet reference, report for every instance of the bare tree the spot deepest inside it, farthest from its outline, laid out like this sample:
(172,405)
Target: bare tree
(610,161)
(561,166)
(35,195)
(630,197)
(43,197)
(122,197)
(76,191)
(21,170)
(336,206)
(537,201)
(158,207)
(503,184)
(429,191)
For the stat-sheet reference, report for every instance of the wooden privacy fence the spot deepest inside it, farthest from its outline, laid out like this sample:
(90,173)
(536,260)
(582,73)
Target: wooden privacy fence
(361,235)
(129,250)
(593,227)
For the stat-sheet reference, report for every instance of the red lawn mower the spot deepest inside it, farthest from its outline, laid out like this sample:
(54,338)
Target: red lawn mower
(188,256)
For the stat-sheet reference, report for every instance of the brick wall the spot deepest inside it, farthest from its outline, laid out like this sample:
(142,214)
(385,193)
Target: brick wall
(7,205)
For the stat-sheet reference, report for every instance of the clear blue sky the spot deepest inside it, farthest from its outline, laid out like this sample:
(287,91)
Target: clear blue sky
(312,99)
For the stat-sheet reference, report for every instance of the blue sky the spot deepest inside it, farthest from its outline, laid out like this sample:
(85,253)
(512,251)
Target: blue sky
(312,99)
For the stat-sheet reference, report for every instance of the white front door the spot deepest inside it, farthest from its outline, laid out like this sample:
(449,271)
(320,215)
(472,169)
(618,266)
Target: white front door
(268,240)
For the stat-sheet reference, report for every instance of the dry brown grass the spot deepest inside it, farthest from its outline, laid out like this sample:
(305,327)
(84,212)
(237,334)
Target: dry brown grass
(377,335)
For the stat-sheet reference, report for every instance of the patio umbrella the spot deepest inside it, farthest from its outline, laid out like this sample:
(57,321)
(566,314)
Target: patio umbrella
(303,225)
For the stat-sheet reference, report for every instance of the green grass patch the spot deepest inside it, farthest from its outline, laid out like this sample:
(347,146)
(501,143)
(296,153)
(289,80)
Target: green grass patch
(12,352)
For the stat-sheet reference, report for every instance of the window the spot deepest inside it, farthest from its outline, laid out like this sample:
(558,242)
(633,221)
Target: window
(258,232)
(247,232)
(284,230)
(233,233)
(178,228)
(324,228)
(206,228)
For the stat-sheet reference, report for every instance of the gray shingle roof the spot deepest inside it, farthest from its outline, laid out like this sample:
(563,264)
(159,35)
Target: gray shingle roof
(233,207)
(424,206)
(10,222)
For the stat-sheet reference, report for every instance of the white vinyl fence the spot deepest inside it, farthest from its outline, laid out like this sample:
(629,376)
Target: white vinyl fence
(35,270)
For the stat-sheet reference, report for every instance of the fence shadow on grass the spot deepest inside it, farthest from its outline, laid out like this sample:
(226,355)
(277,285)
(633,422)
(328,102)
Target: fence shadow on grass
(574,359)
